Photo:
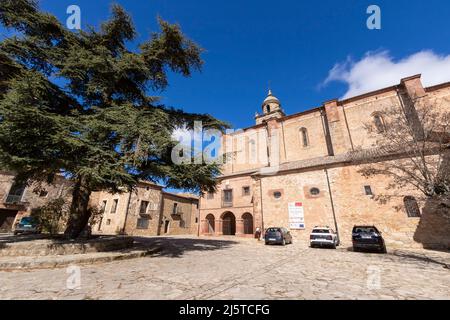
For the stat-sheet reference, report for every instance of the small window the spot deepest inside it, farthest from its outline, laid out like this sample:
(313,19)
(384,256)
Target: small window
(412,207)
(147,188)
(144,207)
(114,206)
(43,193)
(368,190)
(314,191)
(108,222)
(210,195)
(196,220)
(304,137)
(246,191)
(142,223)
(277,194)
(379,123)
(175,208)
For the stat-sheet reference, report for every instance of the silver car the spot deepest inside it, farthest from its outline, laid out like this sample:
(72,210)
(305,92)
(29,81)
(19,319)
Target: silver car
(323,237)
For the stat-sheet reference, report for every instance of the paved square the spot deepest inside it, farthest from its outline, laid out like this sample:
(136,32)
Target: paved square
(233,268)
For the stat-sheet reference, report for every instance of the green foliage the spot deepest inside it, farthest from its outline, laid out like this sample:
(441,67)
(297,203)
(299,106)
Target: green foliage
(78,103)
(52,216)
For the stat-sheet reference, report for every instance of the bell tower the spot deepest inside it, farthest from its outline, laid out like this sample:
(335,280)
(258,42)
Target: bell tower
(271,108)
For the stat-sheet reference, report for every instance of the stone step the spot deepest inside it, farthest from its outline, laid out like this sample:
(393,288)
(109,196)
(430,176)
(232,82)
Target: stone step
(49,247)
(44,262)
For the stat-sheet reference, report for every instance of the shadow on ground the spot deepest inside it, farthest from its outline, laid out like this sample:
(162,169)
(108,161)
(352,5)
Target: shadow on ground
(176,247)
(421,258)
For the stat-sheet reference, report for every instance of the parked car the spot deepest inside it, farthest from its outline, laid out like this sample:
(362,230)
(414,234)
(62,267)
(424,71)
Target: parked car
(276,235)
(323,237)
(27,225)
(367,238)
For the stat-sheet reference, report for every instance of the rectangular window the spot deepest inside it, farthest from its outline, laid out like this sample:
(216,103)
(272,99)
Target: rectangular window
(143,208)
(103,206)
(196,220)
(175,208)
(368,190)
(108,222)
(227,198)
(210,195)
(246,191)
(15,193)
(142,223)
(114,206)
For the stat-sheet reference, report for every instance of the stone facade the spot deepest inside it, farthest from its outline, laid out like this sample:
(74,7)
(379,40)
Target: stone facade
(19,201)
(305,158)
(146,211)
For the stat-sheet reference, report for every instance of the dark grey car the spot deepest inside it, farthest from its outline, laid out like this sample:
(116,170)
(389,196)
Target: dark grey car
(277,235)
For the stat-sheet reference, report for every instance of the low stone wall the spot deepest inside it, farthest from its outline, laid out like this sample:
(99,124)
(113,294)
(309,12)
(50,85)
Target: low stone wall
(46,247)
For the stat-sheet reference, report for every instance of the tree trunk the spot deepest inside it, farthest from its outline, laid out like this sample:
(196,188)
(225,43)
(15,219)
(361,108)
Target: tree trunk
(79,209)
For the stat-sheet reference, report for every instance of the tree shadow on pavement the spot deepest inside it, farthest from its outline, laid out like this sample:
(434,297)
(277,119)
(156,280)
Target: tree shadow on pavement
(421,258)
(176,247)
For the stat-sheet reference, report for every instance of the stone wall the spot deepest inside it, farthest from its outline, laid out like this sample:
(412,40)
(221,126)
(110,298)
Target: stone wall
(179,215)
(334,130)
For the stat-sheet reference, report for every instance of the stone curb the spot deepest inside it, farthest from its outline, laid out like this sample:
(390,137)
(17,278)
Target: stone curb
(48,262)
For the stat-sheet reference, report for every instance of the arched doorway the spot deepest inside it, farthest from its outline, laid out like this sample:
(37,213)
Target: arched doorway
(210,224)
(228,224)
(247,218)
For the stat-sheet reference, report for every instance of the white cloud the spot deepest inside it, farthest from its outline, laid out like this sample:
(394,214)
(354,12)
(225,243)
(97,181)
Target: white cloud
(379,70)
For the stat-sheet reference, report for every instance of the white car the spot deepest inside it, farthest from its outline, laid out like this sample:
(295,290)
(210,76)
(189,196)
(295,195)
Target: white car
(323,237)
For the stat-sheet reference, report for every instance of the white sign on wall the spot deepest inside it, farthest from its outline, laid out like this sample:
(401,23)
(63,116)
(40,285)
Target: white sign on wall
(296,216)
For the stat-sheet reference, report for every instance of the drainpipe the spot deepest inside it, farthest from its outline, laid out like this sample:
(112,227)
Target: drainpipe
(332,205)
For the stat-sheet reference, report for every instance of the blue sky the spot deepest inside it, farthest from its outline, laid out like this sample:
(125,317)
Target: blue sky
(292,44)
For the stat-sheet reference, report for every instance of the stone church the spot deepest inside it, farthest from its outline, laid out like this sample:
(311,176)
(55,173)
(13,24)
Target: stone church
(300,166)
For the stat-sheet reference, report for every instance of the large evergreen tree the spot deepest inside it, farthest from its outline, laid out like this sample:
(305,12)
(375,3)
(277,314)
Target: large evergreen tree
(78,103)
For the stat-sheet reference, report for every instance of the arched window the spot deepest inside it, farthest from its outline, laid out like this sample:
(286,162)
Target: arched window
(252,151)
(304,137)
(267,108)
(379,122)
(412,207)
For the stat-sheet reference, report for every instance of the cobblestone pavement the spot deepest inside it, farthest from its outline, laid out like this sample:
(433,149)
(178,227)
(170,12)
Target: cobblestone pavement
(230,268)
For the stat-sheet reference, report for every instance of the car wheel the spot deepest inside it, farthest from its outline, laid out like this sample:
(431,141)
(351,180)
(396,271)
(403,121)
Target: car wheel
(16,233)
(284,242)
(266,243)
(383,249)
(333,246)
(355,249)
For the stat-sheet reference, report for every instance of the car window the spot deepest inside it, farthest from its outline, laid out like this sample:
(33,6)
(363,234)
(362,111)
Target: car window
(273,230)
(320,231)
(365,230)
(27,220)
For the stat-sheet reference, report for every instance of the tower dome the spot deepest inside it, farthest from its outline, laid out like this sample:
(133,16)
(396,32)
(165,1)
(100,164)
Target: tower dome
(271,103)
(271,107)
